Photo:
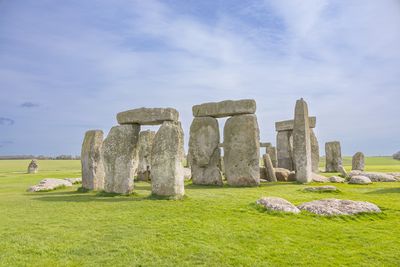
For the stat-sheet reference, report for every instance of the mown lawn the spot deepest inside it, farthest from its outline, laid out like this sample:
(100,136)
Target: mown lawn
(211,227)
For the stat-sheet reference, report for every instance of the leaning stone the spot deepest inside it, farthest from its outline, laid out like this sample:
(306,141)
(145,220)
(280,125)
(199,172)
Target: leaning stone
(282,174)
(33,166)
(147,116)
(333,156)
(277,204)
(120,157)
(358,161)
(49,184)
(331,207)
(91,161)
(167,174)
(242,151)
(342,171)
(145,145)
(314,151)
(358,179)
(336,179)
(302,143)
(319,178)
(325,188)
(271,151)
(288,125)
(396,175)
(225,108)
(269,169)
(204,151)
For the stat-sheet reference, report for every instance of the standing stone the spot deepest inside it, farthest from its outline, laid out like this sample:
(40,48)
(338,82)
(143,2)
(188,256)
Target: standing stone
(91,161)
(314,151)
(33,166)
(302,143)
(358,161)
(119,157)
(167,173)
(144,147)
(271,151)
(204,151)
(333,156)
(242,150)
(269,169)
(284,150)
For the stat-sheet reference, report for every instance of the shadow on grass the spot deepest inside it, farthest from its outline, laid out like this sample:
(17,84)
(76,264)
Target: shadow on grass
(385,191)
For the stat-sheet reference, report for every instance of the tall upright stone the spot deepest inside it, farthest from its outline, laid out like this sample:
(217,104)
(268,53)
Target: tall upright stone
(91,161)
(242,150)
(314,151)
(120,157)
(271,151)
(145,145)
(284,147)
(358,162)
(204,151)
(333,156)
(33,166)
(167,173)
(302,143)
(269,168)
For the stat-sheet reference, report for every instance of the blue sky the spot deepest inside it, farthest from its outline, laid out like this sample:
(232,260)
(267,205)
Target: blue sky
(70,66)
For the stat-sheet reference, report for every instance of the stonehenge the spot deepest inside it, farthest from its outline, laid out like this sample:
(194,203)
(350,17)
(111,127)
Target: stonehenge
(333,156)
(145,145)
(91,161)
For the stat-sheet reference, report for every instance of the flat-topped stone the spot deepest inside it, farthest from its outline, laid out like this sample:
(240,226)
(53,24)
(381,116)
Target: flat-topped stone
(225,108)
(147,116)
(289,124)
(265,144)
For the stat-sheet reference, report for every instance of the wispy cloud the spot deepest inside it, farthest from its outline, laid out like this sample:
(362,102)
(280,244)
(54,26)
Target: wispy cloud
(29,105)
(6,121)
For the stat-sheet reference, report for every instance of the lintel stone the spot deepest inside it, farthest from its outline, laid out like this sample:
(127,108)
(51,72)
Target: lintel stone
(225,108)
(289,124)
(147,116)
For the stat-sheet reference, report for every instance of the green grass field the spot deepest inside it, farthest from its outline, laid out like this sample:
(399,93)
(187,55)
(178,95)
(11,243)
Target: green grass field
(212,226)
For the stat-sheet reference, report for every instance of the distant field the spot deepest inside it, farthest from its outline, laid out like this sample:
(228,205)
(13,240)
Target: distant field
(212,226)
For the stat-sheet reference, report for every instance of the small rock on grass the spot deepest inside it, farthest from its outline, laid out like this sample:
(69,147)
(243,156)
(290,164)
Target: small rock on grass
(277,204)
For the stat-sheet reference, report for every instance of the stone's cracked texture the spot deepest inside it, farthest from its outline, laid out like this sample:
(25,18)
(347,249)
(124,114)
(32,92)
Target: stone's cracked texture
(145,145)
(277,204)
(120,158)
(204,151)
(147,116)
(167,172)
(271,151)
(358,162)
(242,150)
(225,108)
(288,125)
(333,156)
(331,207)
(302,143)
(91,161)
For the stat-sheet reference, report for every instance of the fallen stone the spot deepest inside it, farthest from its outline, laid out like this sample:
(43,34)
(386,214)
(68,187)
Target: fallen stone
(379,177)
(74,180)
(336,179)
(49,184)
(277,204)
(325,188)
(358,162)
(331,207)
(288,125)
(33,166)
(282,174)
(354,173)
(333,156)
(147,116)
(91,161)
(225,108)
(358,179)
(269,169)
(319,178)
(342,171)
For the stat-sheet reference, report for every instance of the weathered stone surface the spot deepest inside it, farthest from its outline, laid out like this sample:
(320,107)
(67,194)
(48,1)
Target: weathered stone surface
(269,169)
(302,143)
(282,174)
(342,171)
(284,146)
(331,207)
(225,108)
(204,151)
(167,174)
(396,155)
(359,179)
(336,179)
(277,204)
(91,161)
(119,156)
(319,178)
(358,161)
(74,180)
(325,188)
(242,151)
(187,173)
(271,151)
(292,176)
(263,174)
(33,166)
(314,151)
(147,116)
(333,156)
(396,175)
(354,173)
(379,177)
(49,184)
(288,125)
(145,145)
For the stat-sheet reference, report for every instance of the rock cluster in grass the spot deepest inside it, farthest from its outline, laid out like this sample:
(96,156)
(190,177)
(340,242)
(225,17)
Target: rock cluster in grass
(329,207)
(49,184)
(375,176)
(277,204)
(359,179)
